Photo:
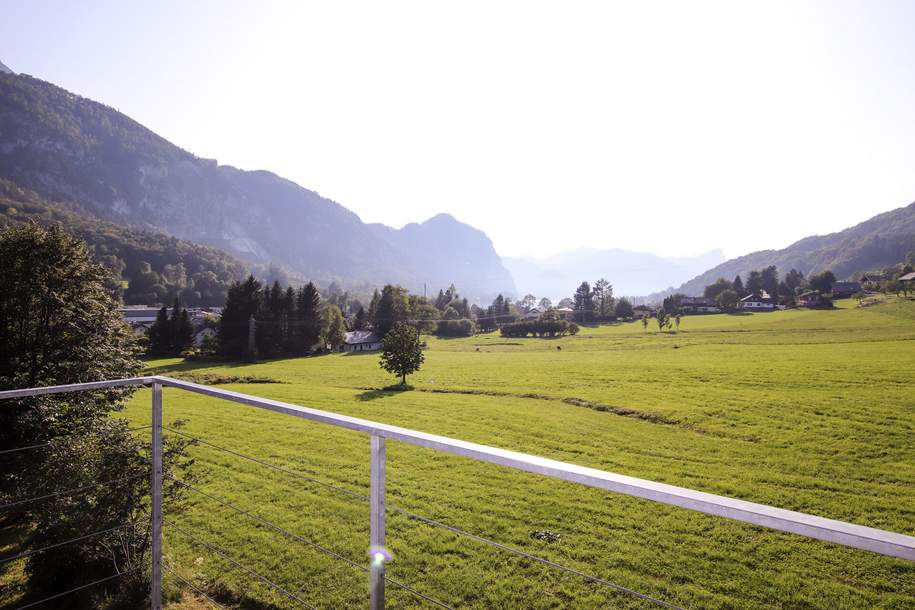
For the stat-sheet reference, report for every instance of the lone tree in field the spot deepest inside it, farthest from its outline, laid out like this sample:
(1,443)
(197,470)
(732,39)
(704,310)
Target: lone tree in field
(402,353)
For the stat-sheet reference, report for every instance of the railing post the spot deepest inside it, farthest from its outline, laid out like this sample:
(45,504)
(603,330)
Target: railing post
(156,492)
(377,552)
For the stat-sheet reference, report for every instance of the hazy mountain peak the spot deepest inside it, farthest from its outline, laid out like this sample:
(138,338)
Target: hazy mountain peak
(5,69)
(631,273)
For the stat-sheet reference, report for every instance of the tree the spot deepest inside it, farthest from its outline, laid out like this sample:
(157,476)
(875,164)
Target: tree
(603,294)
(243,302)
(393,306)
(713,290)
(754,283)
(402,352)
(159,334)
(823,281)
(527,303)
(78,336)
(583,303)
(728,300)
(359,322)
(677,321)
(769,280)
(623,308)
(307,326)
(645,322)
(662,318)
(566,302)
(333,327)
(545,304)
(182,331)
(737,287)
(794,279)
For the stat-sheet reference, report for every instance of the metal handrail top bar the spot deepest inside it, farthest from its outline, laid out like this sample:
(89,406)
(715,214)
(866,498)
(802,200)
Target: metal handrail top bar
(838,532)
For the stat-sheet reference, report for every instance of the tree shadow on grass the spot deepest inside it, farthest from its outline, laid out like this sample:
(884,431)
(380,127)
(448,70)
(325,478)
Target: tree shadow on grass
(376,393)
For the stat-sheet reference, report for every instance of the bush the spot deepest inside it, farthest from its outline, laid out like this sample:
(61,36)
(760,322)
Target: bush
(456,328)
(539,328)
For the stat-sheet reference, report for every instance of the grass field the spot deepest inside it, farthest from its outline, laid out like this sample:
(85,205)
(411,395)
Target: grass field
(805,410)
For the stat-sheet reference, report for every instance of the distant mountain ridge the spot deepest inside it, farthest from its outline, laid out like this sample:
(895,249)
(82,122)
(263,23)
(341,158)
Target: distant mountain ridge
(881,241)
(98,161)
(631,273)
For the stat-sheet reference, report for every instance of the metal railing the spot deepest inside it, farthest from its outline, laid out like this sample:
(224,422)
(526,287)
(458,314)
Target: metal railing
(847,534)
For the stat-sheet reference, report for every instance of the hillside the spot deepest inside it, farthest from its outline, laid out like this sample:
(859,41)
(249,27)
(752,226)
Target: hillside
(199,275)
(631,273)
(878,242)
(98,161)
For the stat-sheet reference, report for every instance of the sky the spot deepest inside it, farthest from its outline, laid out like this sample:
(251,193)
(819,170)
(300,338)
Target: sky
(665,127)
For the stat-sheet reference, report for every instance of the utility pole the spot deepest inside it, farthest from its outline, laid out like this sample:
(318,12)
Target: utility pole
(251,347)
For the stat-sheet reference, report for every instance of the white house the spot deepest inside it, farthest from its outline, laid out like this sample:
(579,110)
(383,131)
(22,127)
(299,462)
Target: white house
(752,302)
(533,313)
(361,341)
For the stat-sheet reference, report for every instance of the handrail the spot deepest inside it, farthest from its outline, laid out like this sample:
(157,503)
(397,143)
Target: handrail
(839,532)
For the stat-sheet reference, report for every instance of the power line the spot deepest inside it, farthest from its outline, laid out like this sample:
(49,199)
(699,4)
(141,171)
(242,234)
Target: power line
(222,553)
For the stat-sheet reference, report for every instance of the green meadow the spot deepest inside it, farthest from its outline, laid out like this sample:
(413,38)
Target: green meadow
(806,410)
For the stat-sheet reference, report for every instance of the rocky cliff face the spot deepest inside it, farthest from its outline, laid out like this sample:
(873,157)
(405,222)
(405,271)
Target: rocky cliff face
(100,162)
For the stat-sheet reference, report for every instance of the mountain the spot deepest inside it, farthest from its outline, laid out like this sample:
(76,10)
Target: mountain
(631,273)
(450,248)
(149,267)
(882,241)
(97,161)
(4,69)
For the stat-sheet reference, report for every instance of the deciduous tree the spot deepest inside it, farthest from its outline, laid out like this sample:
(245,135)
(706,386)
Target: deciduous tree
(402,352)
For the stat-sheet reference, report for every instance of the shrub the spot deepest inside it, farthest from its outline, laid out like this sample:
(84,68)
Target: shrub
(539,328)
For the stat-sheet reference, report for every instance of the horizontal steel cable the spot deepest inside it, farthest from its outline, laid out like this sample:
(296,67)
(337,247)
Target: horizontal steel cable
(224,554)
(39,445)
(452,529)
(60,544)
(293,473)
(536,558)
(188,583)
(75,589)
(67,491)
(310,543)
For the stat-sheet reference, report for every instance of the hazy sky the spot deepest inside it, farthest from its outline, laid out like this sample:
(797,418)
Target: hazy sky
(670,127)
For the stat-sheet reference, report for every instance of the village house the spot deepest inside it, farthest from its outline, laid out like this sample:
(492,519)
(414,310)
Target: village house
(872,280)
(642,311)
(809,299)
(361,341)
(566,313)
(908,278)
(139,317)
(698,305)
(533,313)
(762,302)
(845,289)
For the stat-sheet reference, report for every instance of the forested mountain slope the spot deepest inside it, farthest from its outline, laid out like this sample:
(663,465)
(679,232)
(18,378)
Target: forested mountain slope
(93,159)
(150,267)
(881,241)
